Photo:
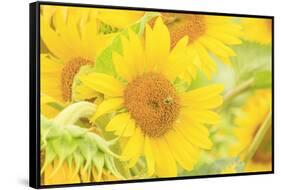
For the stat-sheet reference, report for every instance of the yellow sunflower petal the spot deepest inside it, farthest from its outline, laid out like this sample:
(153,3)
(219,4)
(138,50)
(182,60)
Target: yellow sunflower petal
(176,144)
(257,30)
(89,39)
(118,122)
(51,77)
(128,129)
(203,93)
(148,153)
(207,65)
(134,146)
(121,66)
(211,103)
(119,18)
(178,60)
(108,106)
(83,92)
(104,84)
(224,37)
(202,116)
(196,133)
(132,63)
(217,47)
(53,41)
(66,29)
(164,161)
(157,45)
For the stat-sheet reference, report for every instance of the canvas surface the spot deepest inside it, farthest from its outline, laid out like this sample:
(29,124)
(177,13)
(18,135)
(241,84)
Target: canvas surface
(134,94)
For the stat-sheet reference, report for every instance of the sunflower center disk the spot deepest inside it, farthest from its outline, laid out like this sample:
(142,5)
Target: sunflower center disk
(192,25)
(68,73)
(153,103)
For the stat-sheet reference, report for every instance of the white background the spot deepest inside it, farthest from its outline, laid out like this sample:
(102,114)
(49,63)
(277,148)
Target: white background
(14,93)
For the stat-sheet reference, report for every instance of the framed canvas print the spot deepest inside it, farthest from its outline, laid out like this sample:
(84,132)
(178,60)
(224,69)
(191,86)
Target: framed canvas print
(120,94)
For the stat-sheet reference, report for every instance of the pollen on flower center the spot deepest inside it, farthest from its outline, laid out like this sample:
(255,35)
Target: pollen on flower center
(153,103)
(186,24)
(68,73)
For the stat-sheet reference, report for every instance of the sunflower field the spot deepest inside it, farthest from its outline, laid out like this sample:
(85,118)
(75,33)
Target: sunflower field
(129,95)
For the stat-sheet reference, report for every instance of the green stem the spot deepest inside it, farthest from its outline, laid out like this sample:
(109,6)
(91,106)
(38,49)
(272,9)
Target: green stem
(235,92)
(258,138)
(239,89)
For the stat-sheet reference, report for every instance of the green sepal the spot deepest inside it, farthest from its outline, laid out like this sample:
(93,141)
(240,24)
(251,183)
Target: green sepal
(73,112)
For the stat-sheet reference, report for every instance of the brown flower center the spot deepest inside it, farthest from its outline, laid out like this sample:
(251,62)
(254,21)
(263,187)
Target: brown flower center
(70,69)
(153,103)
(181,25)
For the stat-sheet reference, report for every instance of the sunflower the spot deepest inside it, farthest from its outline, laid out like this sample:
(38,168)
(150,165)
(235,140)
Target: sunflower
(207,35)
(72,154)
(72,41)
(73,47)
(252,115)
(160,122)
(257,30)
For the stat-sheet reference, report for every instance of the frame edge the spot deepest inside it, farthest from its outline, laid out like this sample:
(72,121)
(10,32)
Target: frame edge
(34,143)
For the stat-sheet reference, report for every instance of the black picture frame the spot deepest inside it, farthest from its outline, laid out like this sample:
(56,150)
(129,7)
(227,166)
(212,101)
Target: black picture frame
(34,93)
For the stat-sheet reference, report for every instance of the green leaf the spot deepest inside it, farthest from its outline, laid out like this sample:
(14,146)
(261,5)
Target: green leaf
(251,58)
(263,79)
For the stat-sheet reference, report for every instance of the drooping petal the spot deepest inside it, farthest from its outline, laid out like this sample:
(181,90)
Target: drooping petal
(104,84)
(108,106)
(118,122)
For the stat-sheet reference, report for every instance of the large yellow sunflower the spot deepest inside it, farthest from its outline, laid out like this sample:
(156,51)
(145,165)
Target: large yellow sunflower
(252,115)
(74,37)
(207,35)
(257,30)
(161,123)
(73,41)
